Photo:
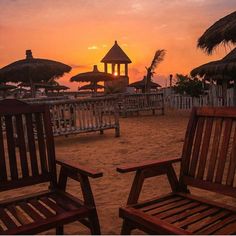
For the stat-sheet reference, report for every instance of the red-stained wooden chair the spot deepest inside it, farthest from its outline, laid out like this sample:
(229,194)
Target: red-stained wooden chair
(208,162)
(27,157)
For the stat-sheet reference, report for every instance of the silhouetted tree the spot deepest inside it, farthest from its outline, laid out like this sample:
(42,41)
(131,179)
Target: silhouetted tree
(189,86)
(158,57)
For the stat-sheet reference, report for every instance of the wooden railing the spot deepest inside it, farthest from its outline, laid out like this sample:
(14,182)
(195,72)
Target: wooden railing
(73,116)
(129,103)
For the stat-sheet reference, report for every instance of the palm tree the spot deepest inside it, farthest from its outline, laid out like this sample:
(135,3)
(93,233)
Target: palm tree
(158,57)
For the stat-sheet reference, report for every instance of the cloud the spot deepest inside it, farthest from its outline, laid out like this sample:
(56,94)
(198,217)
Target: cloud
(93,47)
(76,66)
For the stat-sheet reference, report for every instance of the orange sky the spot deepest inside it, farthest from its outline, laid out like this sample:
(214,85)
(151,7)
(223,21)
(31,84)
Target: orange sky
(80,32)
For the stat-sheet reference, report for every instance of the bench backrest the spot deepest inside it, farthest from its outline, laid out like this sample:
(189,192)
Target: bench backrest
(27,154)
(209,151)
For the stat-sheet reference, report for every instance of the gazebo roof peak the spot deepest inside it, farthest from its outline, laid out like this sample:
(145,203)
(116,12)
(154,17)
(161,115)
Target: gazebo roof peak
(116,55)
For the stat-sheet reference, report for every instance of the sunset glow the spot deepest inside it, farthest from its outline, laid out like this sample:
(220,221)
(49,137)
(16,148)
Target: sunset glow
(80,32)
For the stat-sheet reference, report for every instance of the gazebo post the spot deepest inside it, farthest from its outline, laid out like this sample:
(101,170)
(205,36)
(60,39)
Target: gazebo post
(234,93)
(224,92)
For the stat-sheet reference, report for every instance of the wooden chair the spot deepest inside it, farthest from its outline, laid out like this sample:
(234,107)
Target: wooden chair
(26,166)
(208,162)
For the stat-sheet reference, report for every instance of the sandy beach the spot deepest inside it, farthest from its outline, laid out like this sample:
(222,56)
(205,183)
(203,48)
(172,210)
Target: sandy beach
(142,138)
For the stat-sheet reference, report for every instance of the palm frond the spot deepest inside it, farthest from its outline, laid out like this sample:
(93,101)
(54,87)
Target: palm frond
(158,57)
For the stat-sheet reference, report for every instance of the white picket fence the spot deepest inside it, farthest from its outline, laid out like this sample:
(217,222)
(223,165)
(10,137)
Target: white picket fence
(181,102)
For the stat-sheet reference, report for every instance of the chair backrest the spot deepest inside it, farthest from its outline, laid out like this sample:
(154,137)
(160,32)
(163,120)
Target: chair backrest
(27,153)
(209,151)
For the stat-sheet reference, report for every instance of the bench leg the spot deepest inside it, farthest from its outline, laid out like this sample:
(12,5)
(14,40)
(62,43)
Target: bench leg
(126,228)
(94,225)
(101,132)
(60,230)
(117,132)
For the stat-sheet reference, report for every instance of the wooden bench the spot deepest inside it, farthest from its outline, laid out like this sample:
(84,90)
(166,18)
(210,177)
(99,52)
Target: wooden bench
(208,162)
(75,116)
(130,103)
(54,207)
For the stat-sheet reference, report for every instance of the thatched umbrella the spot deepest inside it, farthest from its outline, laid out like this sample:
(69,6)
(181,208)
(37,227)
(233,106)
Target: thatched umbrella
(91,86)
(32,70)
(222,70)
(94,77)
(222,31)
(142,84)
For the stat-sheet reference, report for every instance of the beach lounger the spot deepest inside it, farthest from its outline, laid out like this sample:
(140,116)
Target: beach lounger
(208,163)
(24,165)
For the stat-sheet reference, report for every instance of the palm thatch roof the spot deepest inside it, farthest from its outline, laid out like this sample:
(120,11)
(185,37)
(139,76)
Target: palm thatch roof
(92,76)
(34,69)
(116,55)
(143,83)
(225,66)
(222,31)
(91,86)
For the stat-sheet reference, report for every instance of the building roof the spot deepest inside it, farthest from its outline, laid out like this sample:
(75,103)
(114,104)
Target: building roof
(116,55)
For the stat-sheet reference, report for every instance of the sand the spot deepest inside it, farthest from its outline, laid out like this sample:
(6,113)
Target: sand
(142,138)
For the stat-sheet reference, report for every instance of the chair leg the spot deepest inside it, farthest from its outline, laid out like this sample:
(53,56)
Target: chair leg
(94,224)
(60,230)
(126,228)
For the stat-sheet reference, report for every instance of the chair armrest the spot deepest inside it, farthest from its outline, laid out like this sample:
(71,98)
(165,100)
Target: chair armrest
(80,169)
(145,165)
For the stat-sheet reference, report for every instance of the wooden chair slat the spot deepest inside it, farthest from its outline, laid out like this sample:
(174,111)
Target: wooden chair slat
(215,148)
(232,163)
(52,205)
(22,146)
(178,209)
(230,229)
(220,225)
(168,206)
(196,217)
(10,224)
(201,228)
(197,145)
(30,211)
(41,208)
(180,216)
(223,151)
(11,147)
(41,143)
(32,148)
(161,203)
(205,147)
(64,203)
(3,172)
(18,215)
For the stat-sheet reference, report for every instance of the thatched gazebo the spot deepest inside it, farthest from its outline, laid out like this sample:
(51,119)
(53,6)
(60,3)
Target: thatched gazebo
(223,31)
(33,70)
